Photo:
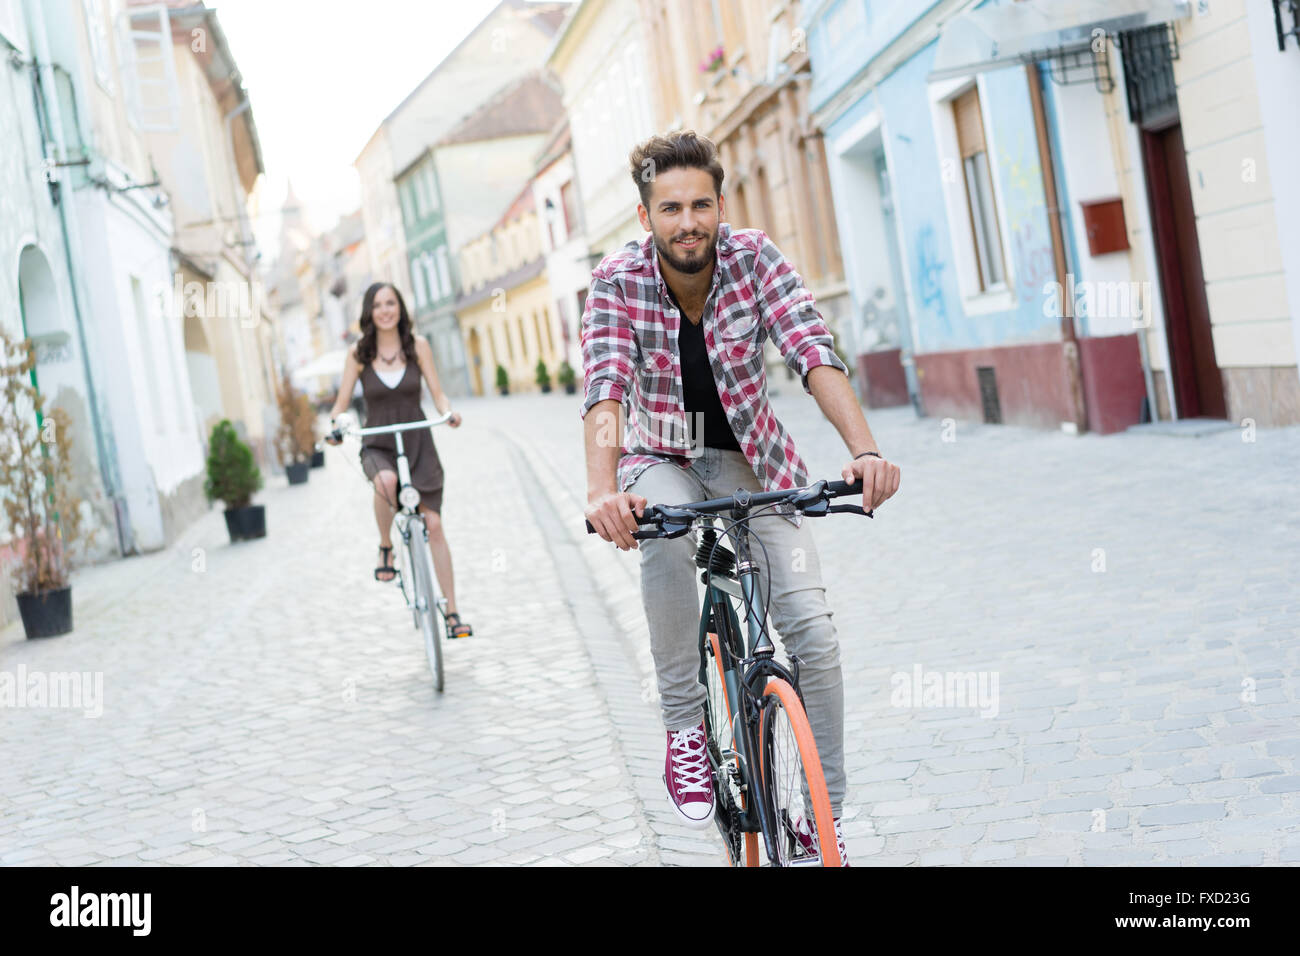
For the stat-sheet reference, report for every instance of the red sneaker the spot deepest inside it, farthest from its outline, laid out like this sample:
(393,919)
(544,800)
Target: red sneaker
(803,829)
(688,777)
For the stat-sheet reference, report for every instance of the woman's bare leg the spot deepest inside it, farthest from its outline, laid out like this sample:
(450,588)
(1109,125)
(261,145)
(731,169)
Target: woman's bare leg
(441,558)
(385,491)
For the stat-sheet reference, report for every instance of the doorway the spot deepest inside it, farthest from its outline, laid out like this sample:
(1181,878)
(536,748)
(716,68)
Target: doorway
(1197,382)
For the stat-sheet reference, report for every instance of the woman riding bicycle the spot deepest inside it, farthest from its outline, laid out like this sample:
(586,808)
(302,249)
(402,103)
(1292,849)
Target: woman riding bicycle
(390,362)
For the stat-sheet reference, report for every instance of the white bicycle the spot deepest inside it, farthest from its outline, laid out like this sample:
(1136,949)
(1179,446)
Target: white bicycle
(421,592)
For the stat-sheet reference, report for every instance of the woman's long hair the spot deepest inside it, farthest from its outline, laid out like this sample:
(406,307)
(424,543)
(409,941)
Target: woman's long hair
(367,347)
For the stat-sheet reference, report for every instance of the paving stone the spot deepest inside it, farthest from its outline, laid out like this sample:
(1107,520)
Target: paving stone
(1118,699)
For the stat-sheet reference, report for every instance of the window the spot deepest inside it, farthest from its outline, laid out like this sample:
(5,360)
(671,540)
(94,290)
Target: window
(417,280)
(421,197)
(569,200)
(404,197)
(97,31)
(444,270)
(432,187)
(431,275)
(149,70)
(979,189)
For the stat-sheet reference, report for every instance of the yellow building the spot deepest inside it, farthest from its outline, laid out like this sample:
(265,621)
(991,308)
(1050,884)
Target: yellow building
(506,311)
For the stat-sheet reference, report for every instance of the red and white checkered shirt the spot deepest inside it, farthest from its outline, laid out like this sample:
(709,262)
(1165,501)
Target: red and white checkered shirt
(629,335)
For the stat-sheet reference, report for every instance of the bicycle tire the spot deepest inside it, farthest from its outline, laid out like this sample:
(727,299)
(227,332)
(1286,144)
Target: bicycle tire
(425,601)
(788,761)
(722,734)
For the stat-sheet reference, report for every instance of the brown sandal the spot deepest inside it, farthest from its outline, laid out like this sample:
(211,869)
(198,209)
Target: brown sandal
(458,628)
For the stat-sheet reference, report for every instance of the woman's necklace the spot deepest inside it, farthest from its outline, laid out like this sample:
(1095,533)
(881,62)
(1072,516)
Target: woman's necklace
(390,359)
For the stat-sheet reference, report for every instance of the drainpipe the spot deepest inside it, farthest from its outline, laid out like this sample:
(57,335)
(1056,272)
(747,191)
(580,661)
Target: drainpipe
(50,118)
(1070,342)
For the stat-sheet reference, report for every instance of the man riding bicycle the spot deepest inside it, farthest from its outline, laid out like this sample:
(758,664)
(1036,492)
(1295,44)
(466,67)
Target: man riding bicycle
(674,328)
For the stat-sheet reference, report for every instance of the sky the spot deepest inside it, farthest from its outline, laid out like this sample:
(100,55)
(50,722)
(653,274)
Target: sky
(321,76)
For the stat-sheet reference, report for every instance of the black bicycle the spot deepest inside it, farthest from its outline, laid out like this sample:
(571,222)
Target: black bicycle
(767,776)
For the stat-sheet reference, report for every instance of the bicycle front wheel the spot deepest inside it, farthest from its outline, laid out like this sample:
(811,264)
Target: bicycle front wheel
(426,598)
(793,783)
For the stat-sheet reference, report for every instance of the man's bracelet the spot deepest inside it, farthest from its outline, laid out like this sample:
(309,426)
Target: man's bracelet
(865,453)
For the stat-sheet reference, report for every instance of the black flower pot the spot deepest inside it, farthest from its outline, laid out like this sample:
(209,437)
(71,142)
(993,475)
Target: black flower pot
(318,458)
(570,388)
(545,389)
(505,390)
(46,613)
(298,472)
(246,523)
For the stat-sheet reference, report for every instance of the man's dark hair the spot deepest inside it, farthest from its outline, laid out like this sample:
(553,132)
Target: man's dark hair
(675,150)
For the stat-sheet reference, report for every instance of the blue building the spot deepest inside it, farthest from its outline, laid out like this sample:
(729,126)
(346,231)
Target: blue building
(997,221)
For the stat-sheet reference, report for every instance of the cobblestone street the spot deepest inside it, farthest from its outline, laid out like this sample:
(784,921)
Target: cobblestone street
(269,703)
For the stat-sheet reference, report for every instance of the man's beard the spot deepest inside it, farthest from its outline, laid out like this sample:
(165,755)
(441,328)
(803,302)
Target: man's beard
(700,260)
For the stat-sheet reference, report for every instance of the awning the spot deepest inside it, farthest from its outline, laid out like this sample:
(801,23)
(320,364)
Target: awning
(1013,34)
(329,365)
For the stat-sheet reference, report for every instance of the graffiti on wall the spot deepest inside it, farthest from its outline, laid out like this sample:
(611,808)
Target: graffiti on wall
(1031,247)
(929,276)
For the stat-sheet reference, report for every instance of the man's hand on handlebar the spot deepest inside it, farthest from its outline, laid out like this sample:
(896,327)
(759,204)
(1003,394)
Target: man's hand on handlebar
(879,479)
(614,515)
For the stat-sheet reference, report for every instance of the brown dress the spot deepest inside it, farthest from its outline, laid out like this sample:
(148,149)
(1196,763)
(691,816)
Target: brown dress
(389,406)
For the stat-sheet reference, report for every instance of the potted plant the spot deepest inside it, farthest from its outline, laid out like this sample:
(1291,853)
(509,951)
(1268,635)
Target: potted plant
(543,376)
(233,476)
(503,380)
(297,437)
(36,479)
(318,456)
(564,375)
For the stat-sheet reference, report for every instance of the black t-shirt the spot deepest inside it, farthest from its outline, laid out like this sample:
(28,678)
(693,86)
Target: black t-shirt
(699,388)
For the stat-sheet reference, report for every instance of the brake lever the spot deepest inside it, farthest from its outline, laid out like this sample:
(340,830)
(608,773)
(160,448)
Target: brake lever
(852,509)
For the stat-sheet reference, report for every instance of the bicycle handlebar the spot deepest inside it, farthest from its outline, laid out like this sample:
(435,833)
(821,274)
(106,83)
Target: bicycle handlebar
(390,429)
(809,496)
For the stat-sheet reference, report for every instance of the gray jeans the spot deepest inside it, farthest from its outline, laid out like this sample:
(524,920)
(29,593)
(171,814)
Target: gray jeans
(798,609)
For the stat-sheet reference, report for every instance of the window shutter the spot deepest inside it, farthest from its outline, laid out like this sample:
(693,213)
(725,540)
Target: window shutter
(970,127)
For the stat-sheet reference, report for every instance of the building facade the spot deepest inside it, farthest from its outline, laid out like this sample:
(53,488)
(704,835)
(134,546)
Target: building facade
(600,59)
(558,198)
(739,73)
(198,126)
(1062,209)
(398,167)
(507,312)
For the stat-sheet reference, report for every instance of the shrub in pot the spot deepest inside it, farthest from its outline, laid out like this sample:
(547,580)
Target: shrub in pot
(233,476)
(296,441)
(36,481)
(564,375)
(543,376)
(503,380)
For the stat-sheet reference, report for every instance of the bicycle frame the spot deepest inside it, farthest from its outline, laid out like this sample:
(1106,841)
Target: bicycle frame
(743,676)
(406,514)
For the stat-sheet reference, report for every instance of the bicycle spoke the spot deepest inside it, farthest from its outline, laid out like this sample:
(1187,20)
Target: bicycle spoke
(789,788)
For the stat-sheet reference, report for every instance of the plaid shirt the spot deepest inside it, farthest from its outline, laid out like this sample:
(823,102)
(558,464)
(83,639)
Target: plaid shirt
(629,335)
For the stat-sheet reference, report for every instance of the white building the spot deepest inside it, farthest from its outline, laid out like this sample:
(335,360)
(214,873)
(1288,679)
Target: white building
(600,60)
(558,200)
